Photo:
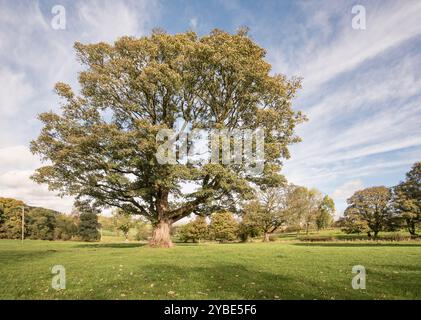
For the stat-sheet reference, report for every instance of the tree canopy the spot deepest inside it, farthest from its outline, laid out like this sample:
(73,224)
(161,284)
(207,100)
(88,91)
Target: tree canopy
(407,199)
(223,227)
(326,211)
(102,146)
(268,211)
(369,210)
(195,230)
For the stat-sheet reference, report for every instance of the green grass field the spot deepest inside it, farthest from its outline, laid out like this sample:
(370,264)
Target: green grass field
(276,270)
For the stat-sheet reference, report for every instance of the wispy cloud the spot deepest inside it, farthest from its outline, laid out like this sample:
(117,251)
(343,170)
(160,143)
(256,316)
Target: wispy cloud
(361,87)
(33,58)
(346,190)
(193,23)
(331,46)
(361,92)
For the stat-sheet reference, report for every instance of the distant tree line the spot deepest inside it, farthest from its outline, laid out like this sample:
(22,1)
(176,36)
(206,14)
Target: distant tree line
(296,208)
(377,209)
(121,223)
(46,224)
(271,209)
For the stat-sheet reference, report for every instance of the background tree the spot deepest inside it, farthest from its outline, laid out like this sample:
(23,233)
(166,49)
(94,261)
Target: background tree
(41,224)
(223,226)
(407,199)
(195,230)
(351,222)
(143,230)
(123,222)
(247,230)
(302,207)
(324,218)
(2,215)
(65,228)
(88,227)
(371,207)
(311,202)
(11,228)
(103,145)
(267,212)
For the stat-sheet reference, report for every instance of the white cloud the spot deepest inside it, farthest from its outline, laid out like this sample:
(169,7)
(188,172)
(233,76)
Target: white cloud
(15,91)
(40,57)
(107,21)
(346,190)
(362,120)
(17,157)
(17,184)
(321,58)
(376,111)
(193,23)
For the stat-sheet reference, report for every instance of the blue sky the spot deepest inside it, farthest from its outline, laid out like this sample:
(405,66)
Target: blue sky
(361,88)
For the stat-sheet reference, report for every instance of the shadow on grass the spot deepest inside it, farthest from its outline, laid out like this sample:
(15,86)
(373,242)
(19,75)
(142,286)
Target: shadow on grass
(23,256)
(111,245)
(350,244)
(224,281)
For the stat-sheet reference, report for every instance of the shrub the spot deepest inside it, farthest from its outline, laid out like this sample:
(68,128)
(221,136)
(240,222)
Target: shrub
(292,228)
(223,227)
(396,236)
(246,231)
(273,237)
(316,238)
(195,230)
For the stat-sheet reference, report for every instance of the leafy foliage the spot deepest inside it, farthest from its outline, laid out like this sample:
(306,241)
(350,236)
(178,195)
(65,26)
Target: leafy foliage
(66,227)
(352,222)
(223,226)
(2,216)
(102,147)
(266,213)
(303,207)
(247,230)
(407,199)
(143,230)
(10,226)
(195,230)
(324,218)
(41,224)
(88,227)
(369,210)
(123,222)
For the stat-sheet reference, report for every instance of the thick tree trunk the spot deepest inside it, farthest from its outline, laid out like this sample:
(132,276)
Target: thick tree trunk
(266,238)
(161,235)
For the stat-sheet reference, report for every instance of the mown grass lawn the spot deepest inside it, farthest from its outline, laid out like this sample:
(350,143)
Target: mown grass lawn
(278,270)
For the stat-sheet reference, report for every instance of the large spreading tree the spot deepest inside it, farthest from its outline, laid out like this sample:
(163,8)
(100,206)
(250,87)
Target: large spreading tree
(407,199)
(369,210)
(103,145)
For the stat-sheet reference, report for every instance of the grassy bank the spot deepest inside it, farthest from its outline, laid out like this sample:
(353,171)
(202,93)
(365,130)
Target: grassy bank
(278,270)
